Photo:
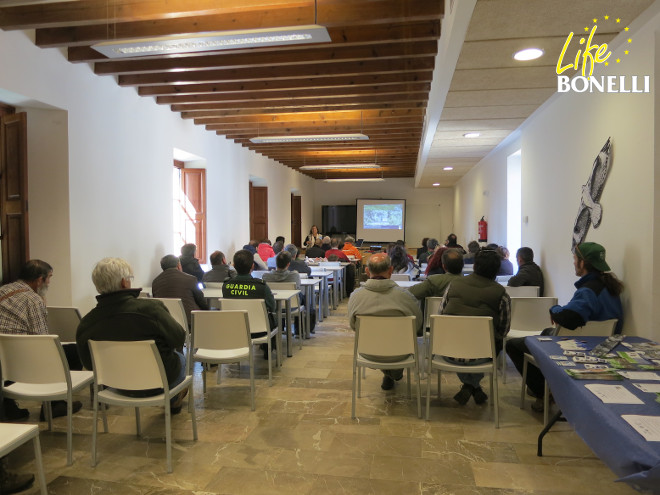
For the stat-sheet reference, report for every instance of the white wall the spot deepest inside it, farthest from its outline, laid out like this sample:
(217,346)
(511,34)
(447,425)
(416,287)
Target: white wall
(559,143)
(429,212)
(119,173)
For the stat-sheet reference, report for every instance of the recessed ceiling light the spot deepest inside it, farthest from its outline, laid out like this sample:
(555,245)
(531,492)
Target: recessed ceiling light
(285,138)
(436,184)
(448,168)
(471,135)
(336,167)
(528,54)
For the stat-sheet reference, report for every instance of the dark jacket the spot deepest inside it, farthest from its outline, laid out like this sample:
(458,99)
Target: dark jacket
(529,274)
(591,301)
(191,266)
(122,316)
(219,273)
(173,283)
(300,267)
(315,252)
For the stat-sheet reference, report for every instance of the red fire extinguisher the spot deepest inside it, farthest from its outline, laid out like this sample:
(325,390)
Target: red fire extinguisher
(483,230)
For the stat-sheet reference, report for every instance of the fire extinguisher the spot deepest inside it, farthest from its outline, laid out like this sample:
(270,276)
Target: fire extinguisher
(483,230)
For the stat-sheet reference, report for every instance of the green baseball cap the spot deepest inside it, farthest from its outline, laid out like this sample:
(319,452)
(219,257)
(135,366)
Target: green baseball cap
(594,254)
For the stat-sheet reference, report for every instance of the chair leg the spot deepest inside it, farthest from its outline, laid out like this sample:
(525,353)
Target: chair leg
(49,414)
(419,391)
(503,361)
(69,431)
(409,383)
(251,358)
(95,428)
(428,391)
(524,384)
(495,395)
(168,434)
(40,465)
(138,426)
(204,377)
(356,382)
(439,373)
(546,402)
(191,409)
(270,362)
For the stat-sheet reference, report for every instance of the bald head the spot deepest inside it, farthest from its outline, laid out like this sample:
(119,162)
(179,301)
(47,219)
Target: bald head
(379,266)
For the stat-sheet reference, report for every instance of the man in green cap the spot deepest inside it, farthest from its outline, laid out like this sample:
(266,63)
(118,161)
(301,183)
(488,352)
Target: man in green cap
(596,299)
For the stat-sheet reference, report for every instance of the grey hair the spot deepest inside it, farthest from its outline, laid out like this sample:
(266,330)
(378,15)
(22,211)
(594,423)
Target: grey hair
(432,243)
(379,267)
(169,261)
(349,238)
(292,249)
(109,272)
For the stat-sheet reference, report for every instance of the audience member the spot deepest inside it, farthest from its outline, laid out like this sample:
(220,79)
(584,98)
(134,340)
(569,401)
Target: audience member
(296,264)
(279,238)
(401,262)
(259,264)
(190,264)
(334,249)
(529,273)
(313,236)
(380,296)
(277,248)
(316,251)
(282,272)
(349,249)
(422,249)
(265,250)
(220,270)
(478,295)
(506,267)
(451,242)
(172,282)
(245,286)
(435,285)
(434,266)
(120,315)
(596,299)
(431,244)
(325,244)
(23,311)
(473,248)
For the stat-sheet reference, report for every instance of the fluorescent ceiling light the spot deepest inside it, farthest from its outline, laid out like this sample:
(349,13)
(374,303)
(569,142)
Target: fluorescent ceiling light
(375,179)
(436,184)
(448,168)
(471,135)
(308,138)
(220,40)
(528,54)
(338,167)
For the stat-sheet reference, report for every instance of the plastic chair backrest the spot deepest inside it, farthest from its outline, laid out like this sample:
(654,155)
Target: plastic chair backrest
(33,359)
(281,285)
(502,279)
(214,285)
(592,328)
(176,309)
(431,307)
(469,337)
(221,330)
(256,309)
(531,313)
(523,291)
(258,273)
(127,365)
(404,277)
(302,275)
(329,263)
(63,321)
(386,335)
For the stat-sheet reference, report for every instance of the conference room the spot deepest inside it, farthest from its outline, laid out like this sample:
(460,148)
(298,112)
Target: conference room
(118,166)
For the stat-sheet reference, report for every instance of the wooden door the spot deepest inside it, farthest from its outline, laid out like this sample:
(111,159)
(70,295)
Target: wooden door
(13,194)
(296,220)
(193,183)
(258,213)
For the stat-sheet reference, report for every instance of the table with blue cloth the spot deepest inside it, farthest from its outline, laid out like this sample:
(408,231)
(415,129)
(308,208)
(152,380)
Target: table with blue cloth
(625,451)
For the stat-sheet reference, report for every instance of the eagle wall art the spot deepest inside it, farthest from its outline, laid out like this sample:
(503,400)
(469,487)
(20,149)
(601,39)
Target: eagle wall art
(590,210)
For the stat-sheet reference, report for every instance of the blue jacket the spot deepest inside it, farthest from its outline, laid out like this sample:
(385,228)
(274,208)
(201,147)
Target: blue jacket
(591,301)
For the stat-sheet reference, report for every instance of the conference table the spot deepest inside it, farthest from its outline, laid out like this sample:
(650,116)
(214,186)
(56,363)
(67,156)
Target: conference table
(324,275)
(618,444)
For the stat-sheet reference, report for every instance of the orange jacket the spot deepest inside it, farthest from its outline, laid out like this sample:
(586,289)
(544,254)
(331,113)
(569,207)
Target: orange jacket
(350,250)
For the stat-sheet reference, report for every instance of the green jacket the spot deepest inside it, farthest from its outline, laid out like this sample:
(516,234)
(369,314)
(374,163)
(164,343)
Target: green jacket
(101,323)
(433,286)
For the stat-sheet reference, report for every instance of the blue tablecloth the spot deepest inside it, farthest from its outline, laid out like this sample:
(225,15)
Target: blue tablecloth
(635,460)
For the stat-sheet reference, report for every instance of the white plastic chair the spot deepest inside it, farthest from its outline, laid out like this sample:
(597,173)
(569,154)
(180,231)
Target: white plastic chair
(39,369)
(134,365)
(13,436)
(259,323)
(175,306)
(63,321)
(402,277)
(603,328)
(385,337)
(468,337)
(523,291)
(529,316)
(297,310)
(503,279)
(222,337)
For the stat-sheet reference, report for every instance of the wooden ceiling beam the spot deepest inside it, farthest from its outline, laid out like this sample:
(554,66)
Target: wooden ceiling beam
(302,84)
(343,115)
(330,14)
(268,126)
(322,108)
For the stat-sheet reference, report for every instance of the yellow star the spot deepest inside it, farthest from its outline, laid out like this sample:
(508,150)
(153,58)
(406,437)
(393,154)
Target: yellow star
(618,60)
(626,52)
(629,40)
(626,28)
(618,20)
(607,17)
(595,21)
(606,64)
(586,29)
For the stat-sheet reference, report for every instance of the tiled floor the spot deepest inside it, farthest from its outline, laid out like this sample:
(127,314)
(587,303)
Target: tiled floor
(301,440)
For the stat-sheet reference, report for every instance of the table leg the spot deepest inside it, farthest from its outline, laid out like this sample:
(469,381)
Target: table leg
(326,297)
(278,312)
(309,304)
(289,333)
(545,430)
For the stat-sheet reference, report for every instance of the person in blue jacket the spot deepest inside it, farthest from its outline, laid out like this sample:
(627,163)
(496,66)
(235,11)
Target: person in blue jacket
(597,298)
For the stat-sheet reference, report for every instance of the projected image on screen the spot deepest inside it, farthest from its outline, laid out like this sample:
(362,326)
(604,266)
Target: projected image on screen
(384,216)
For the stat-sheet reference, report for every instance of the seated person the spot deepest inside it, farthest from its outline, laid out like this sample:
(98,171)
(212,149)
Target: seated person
(277,249)
(316,251)
(452,242)
(220,270)
(296,264)
(334,249)
(431,245)
(422,249)
(506,267)
(350,250)
(435,285)
(265,250)
(325,244)
(434,266)
(120,315)
(529,273)
(190,264)
(473,248)
(172,282)
(259,264)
